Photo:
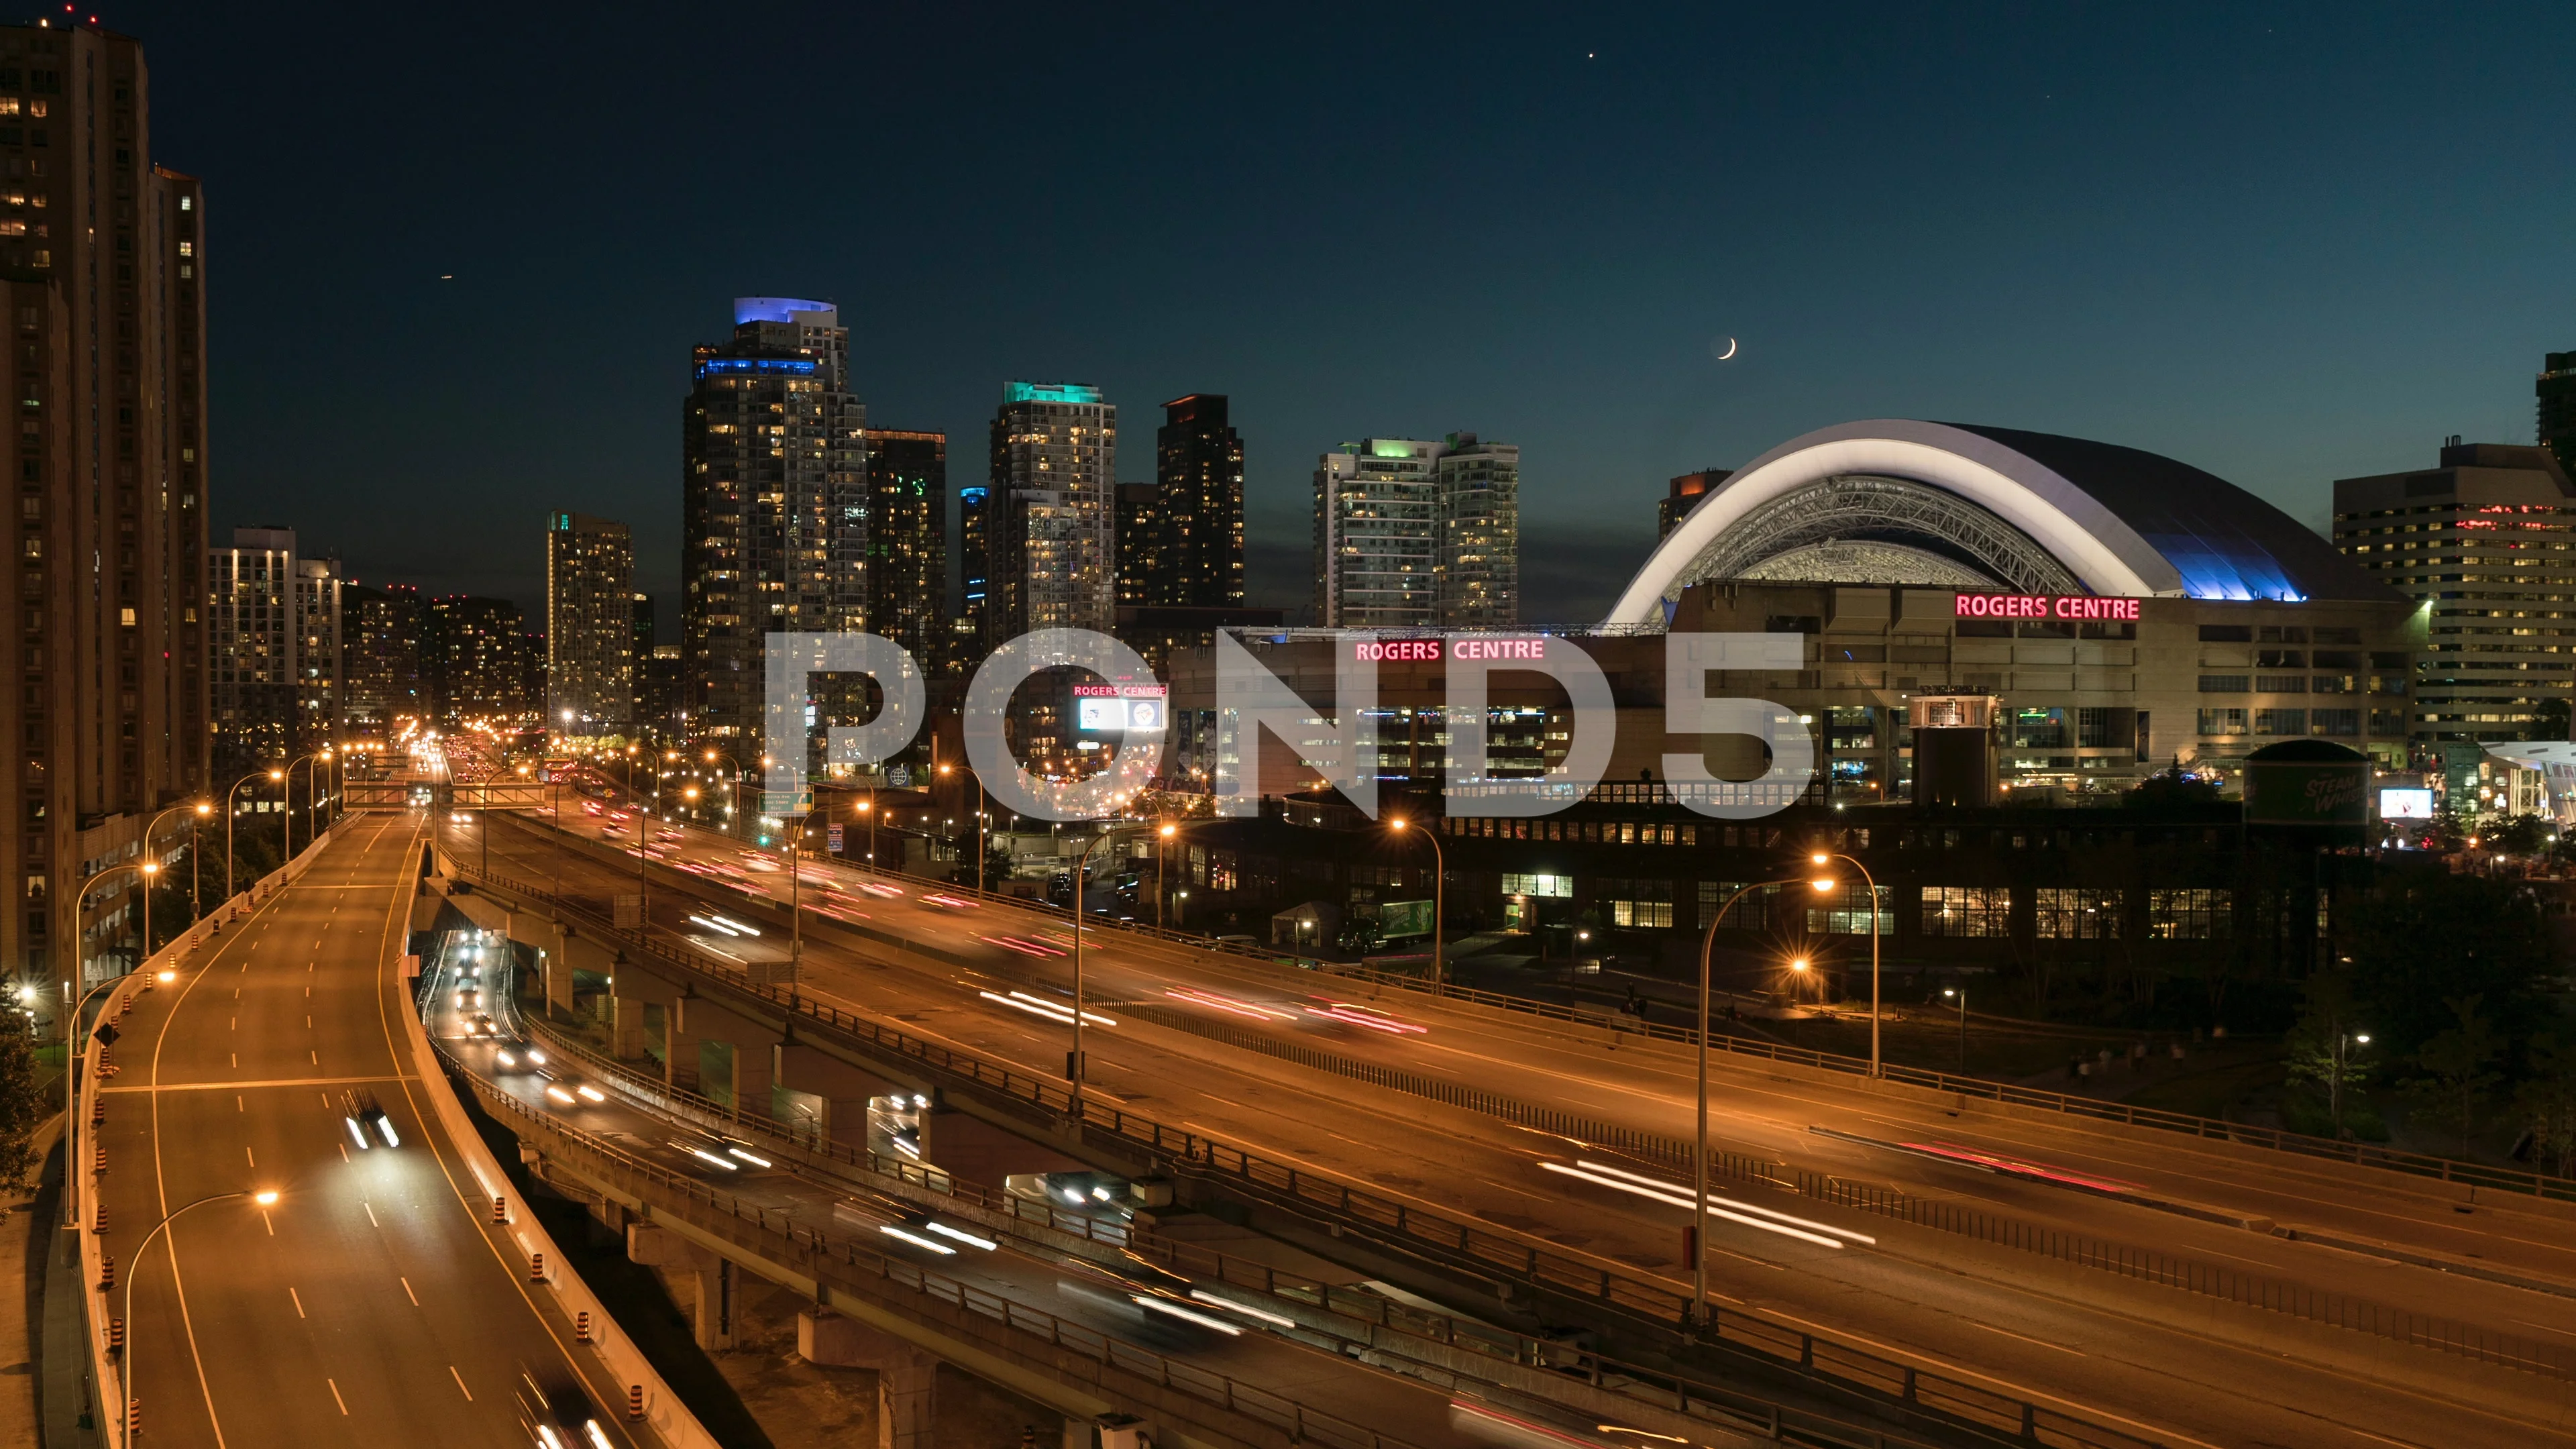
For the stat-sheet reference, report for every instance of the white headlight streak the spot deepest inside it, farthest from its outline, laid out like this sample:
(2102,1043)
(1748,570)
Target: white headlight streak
(1741,1213)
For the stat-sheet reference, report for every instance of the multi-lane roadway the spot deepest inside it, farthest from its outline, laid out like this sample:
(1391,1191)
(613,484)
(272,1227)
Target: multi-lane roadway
(2148,1357)
(370,1303)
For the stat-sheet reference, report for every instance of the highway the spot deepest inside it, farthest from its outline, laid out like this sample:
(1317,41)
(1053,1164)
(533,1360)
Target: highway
(2114,1350)
(369,1304)
(1019,1266)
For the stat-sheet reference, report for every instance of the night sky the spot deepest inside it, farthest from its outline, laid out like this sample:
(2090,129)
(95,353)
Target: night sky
(2284,243)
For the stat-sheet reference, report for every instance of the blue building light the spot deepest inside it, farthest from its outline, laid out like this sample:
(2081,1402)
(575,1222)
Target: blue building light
(788,366)
(1049,392)
(776,309)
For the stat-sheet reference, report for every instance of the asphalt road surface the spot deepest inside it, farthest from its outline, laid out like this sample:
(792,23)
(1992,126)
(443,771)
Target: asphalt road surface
(2105,1347)
(370,1305)
(1022,1268)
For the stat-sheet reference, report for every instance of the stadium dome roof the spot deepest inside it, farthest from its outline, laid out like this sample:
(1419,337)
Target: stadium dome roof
(1965,506)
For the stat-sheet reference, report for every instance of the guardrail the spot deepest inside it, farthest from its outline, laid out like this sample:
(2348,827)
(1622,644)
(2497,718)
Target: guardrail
(1645,1305)
(2414,1164)
(1661,1387)
(776,1237)
(90,1068)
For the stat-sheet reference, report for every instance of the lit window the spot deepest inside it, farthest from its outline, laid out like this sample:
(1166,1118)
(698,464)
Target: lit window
(187,203)
(126,617)
(187,249)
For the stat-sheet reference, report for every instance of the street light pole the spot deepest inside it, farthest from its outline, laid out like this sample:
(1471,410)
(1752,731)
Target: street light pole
(228,822)
(1081,866)
(1699,1156)
(979,842)
(1439,904)
(71,1113)
(1823,857)
(1162,892)
(264,1197)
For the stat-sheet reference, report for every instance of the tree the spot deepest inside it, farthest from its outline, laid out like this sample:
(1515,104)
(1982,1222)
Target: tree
(2331,1046)
(22,1105)
(2426,937)
(2522,835)
(2547,1102)
(2455,1061)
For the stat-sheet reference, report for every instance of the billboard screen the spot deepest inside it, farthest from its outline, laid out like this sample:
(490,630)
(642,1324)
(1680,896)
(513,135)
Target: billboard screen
(2396,803)
(1404,918)
(1117,716)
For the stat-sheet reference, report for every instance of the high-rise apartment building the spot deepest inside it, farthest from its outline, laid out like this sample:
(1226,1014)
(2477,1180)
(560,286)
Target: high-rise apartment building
(774,505)
(101,258)
(1198,471)
(590,625)
(1143,575)
(273,629)
(252,632)
(1411,533)
(974,577)
(2556,393)
(1684,494)
(1478,566)
(320,639)
(908,542)
(383,635)
(1052,535)
(478,663)
(2487,541)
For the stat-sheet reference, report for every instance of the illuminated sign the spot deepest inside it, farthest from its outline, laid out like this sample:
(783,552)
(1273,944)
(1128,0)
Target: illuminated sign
(1113,715)
(2405,803)
(1394,650)
(1460,646)
(2045,606)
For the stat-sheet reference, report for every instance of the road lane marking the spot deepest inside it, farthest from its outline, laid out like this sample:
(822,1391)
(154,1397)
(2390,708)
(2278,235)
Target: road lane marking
(407,1293)
(2024,1337)
(344,1151)
(371,1215)
(246,1152)
(460,1384)
(269,1221)
(263,1082)
(299,1301)
(335,1397)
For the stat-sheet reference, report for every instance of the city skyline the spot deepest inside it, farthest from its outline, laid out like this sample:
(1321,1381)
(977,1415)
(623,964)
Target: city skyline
(2185,251)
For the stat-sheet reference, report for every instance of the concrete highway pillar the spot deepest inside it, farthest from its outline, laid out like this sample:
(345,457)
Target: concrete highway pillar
(842,1089)
(907,1377)
(730,1056)
(711,1278)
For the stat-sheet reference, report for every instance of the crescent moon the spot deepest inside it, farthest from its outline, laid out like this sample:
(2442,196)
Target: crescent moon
(1729,352)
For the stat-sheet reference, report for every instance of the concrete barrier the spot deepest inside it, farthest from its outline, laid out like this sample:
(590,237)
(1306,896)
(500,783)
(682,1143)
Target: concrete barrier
(97,1303)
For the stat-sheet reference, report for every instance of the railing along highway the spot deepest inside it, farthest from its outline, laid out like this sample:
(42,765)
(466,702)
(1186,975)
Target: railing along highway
(2417,1164)
(776,1236)
(1446,1241)
(1661,1387)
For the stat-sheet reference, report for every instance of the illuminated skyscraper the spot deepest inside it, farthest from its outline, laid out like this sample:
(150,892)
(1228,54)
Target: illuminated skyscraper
(908,542)
(774,505)
(1052,533)
(1417,534)
(1198,474)
(101,265)
(590,625)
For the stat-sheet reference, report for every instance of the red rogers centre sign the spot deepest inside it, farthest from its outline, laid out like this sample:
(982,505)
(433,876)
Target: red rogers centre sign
(1456,646)
(2045,606)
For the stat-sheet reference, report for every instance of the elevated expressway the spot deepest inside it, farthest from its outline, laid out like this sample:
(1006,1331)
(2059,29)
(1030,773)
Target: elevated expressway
(2099,1308)
(372,1302)
(1075,1308)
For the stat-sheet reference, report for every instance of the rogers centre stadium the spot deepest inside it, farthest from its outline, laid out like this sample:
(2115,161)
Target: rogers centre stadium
(2125,611)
